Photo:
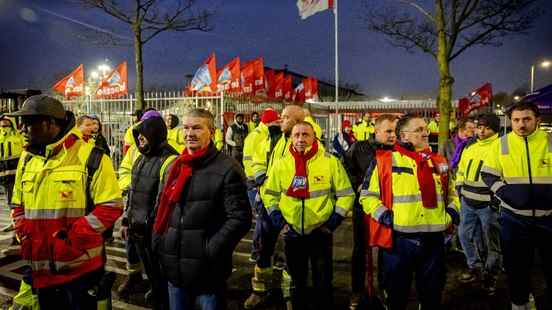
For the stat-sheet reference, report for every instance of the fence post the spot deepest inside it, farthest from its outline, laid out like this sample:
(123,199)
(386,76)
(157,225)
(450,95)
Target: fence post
(221,110)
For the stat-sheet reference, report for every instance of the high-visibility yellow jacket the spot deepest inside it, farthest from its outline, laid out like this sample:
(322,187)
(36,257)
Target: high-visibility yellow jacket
(128,140)
(251,126)
(433,127)
(125,168)
(175,137)
(11,146)
(315,126)
(329,189)
(519,172)
(409,214)
(218,139)
(468,176)
(49,197)
(252,142)
(363,131)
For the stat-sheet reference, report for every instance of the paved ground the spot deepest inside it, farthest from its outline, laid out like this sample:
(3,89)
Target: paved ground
(457,295)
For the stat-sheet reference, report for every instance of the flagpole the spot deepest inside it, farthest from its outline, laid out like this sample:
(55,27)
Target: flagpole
(336,54)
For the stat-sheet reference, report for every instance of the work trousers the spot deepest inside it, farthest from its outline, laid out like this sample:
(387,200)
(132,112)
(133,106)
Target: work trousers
(185,299)
(482,250)
(264,235)
(152,268)
(316,248)
(73,295)
(358,258)
(420,256)
(521,236)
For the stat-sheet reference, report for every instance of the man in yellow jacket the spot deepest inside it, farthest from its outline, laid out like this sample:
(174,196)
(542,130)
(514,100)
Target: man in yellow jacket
(61,206)
(479,229)
(309,192)
(11,146)
(518,170)
(418,202)
(365,129)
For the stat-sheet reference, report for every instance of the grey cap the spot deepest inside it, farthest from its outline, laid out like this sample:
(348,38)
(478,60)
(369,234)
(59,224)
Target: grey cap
(41,105)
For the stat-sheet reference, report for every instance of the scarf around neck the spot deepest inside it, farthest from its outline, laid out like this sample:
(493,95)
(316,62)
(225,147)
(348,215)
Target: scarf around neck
(179,174)
(425,174)
(299,187)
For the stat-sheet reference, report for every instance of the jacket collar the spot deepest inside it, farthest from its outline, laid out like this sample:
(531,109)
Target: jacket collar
(488,141)
(537,134)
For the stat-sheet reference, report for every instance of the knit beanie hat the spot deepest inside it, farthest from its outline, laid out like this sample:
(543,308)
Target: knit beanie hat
(269,116)
(490,120)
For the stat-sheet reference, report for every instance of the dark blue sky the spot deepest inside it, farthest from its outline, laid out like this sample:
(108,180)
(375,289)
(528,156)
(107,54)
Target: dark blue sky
(36,47)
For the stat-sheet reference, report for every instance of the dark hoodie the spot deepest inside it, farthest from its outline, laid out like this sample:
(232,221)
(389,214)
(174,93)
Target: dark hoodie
(155,131)
(174,121)
(146,169)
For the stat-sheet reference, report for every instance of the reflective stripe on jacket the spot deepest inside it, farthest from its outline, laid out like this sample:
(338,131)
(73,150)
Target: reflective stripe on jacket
(49,197)
(252,143)
(329,189)
(468,176)
(409,214)
(519,171)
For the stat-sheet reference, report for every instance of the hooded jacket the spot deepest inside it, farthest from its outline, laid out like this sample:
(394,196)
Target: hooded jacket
(147,172)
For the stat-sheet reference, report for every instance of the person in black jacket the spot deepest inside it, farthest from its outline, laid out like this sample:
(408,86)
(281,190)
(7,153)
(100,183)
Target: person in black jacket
(356,162)
(202,214)
(155,154)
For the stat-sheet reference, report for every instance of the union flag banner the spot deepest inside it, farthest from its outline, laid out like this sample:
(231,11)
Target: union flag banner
(205,78)
(115,84)
(252,78)
(479,98)
(308,8)
(278,93)
(299,93)
(269,83)
(311,88)
(288,88)
(71,85)
(229,77)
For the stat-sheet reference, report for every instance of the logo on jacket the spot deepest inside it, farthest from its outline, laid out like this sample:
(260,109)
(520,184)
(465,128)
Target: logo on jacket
(66,195)
(299,183)
(442,168)
(545,162)
(318,179)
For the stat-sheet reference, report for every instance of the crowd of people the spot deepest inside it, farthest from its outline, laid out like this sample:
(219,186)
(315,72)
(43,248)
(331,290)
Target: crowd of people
(188,205)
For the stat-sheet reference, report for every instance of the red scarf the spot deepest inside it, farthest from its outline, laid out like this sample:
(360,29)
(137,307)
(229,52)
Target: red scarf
(299,187)
(425,174)
(179,174)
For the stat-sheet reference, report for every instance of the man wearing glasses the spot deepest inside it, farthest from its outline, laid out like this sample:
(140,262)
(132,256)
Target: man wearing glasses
(412,205)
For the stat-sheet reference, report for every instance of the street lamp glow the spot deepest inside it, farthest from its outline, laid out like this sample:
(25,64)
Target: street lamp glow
(94,75)
(516,98)
(386,99)
(545,64)
(104,68)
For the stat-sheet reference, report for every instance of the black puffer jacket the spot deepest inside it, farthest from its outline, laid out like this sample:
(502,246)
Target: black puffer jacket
(206,225)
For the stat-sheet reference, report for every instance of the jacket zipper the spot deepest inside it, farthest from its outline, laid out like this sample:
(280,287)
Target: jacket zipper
(303,216)
(529,170)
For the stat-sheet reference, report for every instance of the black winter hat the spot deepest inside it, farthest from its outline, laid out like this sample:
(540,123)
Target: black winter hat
(490,120)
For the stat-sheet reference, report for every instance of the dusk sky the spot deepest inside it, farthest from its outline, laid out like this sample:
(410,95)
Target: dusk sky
(41,41)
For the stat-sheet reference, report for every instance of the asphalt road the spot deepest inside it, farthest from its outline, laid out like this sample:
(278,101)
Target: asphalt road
(457,295)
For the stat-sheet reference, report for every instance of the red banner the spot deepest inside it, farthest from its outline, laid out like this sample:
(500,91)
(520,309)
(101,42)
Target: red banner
(115,84)
(278,88)
(252,78)
(205,78)
(299,93)
(229,77)
(71,85)
(311,88)
(479,98)
(288,88)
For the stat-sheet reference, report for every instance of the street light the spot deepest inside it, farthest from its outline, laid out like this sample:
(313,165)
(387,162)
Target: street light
(545,64)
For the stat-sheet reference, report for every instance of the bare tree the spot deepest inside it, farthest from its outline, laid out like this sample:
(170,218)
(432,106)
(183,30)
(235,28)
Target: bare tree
(147,19)
(446,30)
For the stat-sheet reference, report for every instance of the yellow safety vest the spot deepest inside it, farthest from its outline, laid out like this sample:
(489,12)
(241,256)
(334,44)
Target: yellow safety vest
(329,189)
(363,131)
(251,143)
(409,214)
(175,137)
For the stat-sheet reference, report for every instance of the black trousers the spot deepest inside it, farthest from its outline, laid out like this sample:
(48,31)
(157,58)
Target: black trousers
(316,248)
(153,270)
(358,259)
(71,296)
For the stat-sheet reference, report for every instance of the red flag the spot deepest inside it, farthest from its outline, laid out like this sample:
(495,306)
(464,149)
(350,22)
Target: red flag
(269,83)
(252,78)
(205,78)
(288,88)
(278,88)
(115,84)
(229,76)
(480,97)
(463,105)
(311,88)
(299,93)
(71,85)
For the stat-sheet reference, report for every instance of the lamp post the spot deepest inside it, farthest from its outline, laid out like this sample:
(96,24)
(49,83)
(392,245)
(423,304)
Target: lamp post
(544,64)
